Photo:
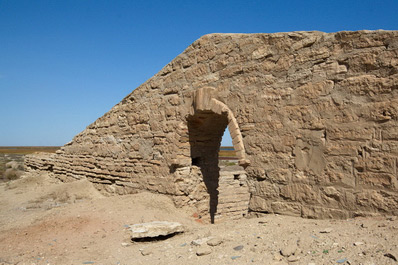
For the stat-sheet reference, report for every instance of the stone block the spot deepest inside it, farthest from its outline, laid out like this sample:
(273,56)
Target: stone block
(314,212)
(279,175)
(377,200)
(390,135)
(231,71)
(343,148)
(266,190)
(301,193)
(367,85)
(262,52)
(196,71)
(352,132)
(154,229)
(259,204)
(380,180)
(287,208)
(315,90)
(380,163)
(309,157)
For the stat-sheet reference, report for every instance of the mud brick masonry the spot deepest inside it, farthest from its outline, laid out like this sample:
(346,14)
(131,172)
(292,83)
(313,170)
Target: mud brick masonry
(313,117)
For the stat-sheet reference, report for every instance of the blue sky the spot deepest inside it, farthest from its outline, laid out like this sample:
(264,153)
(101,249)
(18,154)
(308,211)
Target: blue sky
(64,63)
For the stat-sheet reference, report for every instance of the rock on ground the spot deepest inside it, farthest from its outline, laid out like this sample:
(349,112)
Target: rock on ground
(155,229)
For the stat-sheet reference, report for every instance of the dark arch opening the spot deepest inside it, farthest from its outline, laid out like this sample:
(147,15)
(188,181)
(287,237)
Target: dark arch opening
(206,129)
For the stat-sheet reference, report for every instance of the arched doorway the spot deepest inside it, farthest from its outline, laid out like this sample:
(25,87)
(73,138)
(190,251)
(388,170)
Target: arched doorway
(205,130)
(206,126)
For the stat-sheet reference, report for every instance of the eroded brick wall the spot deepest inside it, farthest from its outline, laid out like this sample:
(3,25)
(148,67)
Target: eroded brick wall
(318,115)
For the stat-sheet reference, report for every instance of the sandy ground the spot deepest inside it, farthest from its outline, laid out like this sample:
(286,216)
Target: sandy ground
(46,222)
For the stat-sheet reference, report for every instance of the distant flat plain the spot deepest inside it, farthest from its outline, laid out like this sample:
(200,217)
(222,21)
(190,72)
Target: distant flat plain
(24,150)
(17,153)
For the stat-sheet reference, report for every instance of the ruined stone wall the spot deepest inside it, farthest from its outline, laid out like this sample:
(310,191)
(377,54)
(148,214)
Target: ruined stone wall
(313,115)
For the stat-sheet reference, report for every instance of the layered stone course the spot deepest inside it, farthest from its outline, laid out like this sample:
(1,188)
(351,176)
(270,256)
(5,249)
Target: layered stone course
(313,116)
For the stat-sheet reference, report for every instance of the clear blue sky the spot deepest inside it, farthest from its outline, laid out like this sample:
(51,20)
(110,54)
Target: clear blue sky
(64,63)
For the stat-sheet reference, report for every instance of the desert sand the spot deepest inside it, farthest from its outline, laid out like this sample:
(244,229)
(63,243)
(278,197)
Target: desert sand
(44,221)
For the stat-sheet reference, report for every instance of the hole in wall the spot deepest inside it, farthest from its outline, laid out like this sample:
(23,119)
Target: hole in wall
(205,130)
(226,140)
(227,152)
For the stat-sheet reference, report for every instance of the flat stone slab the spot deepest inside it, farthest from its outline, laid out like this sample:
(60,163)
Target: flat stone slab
(155,229)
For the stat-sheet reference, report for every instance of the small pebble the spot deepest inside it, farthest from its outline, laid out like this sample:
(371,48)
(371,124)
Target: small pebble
(237,248)
(146,251)
(391,218)
(293,258)
(326,230)
(289,249)
(202,251)
(200,241)
(214,241)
